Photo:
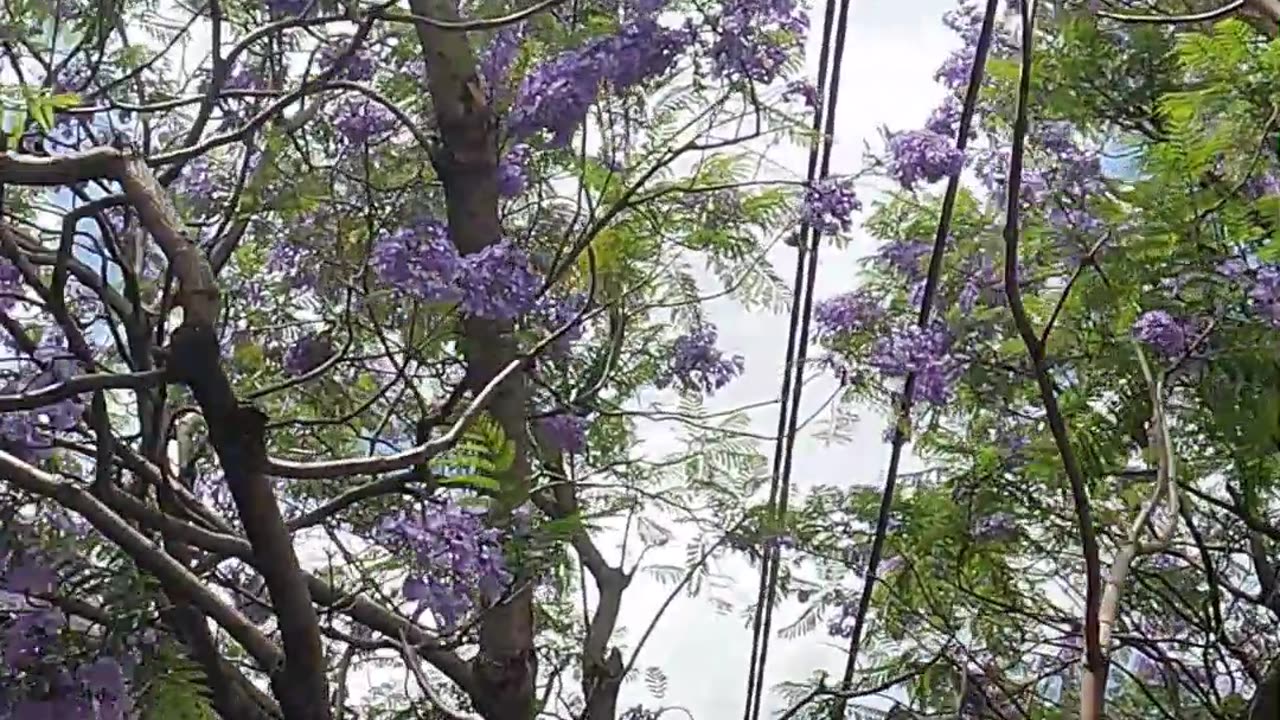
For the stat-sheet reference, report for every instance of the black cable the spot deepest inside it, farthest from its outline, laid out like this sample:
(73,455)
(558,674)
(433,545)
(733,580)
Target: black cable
(796,354)
(922,321)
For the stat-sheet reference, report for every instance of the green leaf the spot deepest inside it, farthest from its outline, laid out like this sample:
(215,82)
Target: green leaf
(476,482)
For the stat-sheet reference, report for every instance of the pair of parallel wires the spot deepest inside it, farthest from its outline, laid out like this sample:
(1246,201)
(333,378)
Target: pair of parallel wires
(824,116)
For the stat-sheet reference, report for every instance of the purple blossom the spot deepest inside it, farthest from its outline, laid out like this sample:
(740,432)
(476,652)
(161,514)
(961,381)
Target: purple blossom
(29,577)
(1162,331)
(1078,221)
(10,284)
(568,433)
(500,55)
(1233,268)
(847,313)
(457,559)
(307,354)
(697,365)
(904,256)
(420,260)
(287,7)
(756,38)
(921,156)
(30,636)
(356,67)
(553,312)
(804,91)
(1264,296)
(924,353)
(945,119)
(829,204)
(294,263)
(956,68)
(556,96)
(498,282)
(244,78)
(196,180)
(1266,184)
(361,120)
(513,176)
(103,680)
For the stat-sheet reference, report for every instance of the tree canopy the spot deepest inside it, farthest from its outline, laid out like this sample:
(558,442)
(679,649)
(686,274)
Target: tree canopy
(324,326)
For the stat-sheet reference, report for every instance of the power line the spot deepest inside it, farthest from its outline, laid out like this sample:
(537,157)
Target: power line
(797,348)
(922,321)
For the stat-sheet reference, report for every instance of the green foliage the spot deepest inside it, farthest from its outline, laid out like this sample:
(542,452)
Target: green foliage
(177,692)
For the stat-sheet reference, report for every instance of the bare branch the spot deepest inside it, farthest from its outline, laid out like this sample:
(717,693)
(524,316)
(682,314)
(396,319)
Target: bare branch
(145,554)
(79,385)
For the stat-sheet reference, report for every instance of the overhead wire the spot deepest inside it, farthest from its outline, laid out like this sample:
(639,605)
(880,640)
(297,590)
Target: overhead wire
(903,414)
(823,128)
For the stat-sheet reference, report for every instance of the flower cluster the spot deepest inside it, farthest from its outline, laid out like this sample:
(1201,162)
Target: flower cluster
(1265,184)
(922,156)
(567,432)
(500,55)
(756,38)
(287,7)
(847,313)
(10,284)
(556,96)
(356,67)
(420,260)
(40,679)
(924,353)
(1167,334)
(457,558)
(244,77)
(1264,296)
(496,283)
(360,120)
(513,176)
(293,262)
(307,354)
(945,119)
(697,365)
(196,181)
(554,312)
(829,205)
(29,434)
(804,91)
(904,256)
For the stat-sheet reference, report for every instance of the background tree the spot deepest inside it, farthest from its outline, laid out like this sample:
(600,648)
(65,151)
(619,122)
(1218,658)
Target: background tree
(322,324)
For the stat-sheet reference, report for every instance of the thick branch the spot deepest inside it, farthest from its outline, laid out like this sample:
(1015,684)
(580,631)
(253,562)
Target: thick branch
(237,433)
(73,387)
(199,295)
(146,555)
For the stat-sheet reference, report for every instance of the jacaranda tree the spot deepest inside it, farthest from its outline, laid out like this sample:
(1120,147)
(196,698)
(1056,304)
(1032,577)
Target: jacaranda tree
(324,323)
(1096,394)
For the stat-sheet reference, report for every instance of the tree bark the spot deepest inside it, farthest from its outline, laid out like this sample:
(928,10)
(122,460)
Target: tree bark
(505,670)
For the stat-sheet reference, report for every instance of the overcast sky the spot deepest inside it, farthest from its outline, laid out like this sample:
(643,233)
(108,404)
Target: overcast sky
(891,53)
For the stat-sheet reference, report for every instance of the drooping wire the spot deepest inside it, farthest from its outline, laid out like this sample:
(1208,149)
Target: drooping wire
(797,343)
(905,402)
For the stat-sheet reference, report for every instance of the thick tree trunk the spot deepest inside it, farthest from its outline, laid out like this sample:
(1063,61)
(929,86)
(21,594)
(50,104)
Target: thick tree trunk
(506,667)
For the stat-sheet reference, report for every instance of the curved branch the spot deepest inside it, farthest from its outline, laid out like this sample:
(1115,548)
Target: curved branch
(79,385)
(145,555)
(1205,16)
